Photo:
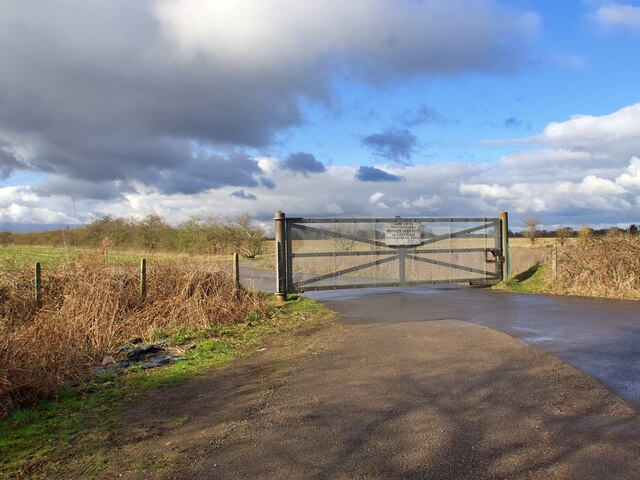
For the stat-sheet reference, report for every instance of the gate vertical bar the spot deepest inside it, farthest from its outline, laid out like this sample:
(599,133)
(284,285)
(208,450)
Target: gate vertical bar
(281,256)
(497,245)
(402,257)
(504,234)
(289,251)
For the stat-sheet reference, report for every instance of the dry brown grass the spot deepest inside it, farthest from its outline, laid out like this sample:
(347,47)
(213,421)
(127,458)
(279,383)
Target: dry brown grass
(601,266)
(89,309)
(524,257)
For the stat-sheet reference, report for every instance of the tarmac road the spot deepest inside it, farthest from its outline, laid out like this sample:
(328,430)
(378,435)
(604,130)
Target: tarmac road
(409,384)
(600,337)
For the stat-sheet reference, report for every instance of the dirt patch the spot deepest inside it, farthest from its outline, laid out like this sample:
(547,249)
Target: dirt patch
(439,399)
(195,417)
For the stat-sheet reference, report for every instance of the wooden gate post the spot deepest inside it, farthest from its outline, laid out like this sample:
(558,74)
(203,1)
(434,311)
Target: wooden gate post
(504,236)
(281,256)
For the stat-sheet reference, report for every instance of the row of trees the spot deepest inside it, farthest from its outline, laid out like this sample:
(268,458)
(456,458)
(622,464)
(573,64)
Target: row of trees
(530,231)
(196,235)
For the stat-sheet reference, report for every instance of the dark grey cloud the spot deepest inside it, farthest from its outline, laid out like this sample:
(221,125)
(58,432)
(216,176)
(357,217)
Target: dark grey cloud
(395,144)
(425,114)
(114,91)
(267,183)
(243,195)
(98,93)
(206,171)
(9,162)
(62,186)
(372,174)
(304,163)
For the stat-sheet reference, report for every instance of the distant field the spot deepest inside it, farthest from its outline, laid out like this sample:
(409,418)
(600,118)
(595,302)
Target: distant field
(540,242)
(16,256)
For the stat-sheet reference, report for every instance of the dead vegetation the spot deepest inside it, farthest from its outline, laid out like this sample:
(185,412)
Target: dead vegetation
(89,309)
(607,265)
(524,257)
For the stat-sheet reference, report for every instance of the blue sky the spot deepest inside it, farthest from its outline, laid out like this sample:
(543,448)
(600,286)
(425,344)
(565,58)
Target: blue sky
(576,66)
(382,107)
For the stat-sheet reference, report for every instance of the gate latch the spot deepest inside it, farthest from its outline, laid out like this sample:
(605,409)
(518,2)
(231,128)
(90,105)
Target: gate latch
(496,254)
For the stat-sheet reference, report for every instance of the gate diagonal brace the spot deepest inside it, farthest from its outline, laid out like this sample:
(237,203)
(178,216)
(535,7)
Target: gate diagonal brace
(363,253)
(328,233)
(450,265)
(346,270)
(455,234)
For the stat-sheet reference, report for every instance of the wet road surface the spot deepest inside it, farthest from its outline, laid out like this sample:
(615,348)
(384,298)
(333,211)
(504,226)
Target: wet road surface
(409,384)
(600,337)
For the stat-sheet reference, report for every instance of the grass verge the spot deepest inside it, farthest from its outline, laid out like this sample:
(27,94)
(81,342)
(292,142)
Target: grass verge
(532,280)
(39,442)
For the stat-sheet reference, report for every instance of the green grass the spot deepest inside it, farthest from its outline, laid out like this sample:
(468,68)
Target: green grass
(41,441)
(17,256)
(532,280)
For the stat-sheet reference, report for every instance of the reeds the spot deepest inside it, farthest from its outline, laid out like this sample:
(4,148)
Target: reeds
(89,309)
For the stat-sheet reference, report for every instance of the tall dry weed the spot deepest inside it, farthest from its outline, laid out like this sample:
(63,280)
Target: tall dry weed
(523,258)
(606,265)
(89,309)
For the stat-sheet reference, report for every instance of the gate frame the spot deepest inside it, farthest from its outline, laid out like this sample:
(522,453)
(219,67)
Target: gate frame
(284,253)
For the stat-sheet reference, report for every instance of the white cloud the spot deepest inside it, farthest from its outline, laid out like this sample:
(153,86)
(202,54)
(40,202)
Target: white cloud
(592,185)
(427,202)
(593,131)
(16,213)
(616,15)
(376,197)
(631,178)
(484,190)
(544,158)
(584,145)
(388,36)
(268,165)
(554,181)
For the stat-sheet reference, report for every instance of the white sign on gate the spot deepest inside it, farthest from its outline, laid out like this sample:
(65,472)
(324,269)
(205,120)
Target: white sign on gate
(402,234)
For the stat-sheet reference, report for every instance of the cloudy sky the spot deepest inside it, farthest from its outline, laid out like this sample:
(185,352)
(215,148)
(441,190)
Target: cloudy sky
(323,108)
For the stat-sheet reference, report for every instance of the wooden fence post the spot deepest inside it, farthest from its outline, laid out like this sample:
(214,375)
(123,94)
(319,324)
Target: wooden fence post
(554,260)
(236,271)
(143,278)
(38,286)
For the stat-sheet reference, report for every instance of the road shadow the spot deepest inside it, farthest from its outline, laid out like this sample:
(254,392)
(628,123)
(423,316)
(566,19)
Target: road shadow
(427,400)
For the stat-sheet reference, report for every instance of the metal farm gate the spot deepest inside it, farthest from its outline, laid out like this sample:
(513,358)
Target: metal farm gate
(336,253)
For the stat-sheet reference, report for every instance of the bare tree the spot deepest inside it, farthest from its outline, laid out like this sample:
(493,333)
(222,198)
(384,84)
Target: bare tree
(530,229)
(562,234)
(586,232)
